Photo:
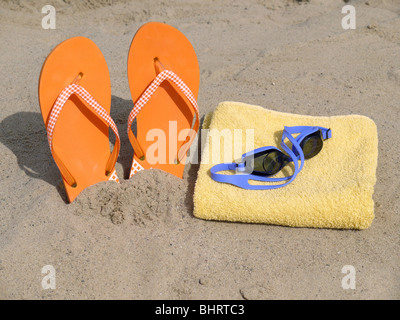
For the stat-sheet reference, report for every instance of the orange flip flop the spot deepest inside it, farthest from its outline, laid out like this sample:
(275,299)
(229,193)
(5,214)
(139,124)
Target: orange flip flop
(75,100)
(164,79)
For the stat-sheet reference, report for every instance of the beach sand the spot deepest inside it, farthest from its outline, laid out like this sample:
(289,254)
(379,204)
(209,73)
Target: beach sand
(139,239)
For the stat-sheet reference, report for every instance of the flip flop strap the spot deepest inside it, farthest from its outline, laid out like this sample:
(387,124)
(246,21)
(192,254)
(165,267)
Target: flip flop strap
(162,76)
(98,110)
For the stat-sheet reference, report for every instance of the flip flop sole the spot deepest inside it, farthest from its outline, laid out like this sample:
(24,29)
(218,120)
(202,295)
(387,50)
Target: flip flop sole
(168,112)
(80,138)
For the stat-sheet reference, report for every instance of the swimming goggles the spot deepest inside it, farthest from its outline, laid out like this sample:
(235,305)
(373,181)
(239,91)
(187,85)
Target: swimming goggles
(261,163)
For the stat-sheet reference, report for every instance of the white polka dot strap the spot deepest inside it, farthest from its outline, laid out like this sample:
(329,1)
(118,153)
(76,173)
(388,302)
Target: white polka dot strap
(95,106)
(162,76)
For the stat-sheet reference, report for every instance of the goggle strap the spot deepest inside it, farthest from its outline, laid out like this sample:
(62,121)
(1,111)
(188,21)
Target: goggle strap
(326,133)
(242,179)
(289,151)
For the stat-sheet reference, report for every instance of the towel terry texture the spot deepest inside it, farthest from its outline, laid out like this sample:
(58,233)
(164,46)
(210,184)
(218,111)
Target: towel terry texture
(334,189)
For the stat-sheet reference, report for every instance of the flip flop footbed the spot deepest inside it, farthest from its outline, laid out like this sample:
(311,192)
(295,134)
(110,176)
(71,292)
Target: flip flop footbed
(80,138)
(167,115)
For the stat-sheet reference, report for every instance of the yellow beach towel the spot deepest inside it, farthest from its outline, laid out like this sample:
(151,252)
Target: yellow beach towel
(334,189)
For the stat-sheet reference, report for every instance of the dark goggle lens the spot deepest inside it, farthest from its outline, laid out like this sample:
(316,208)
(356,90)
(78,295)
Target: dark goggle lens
(312,145)
(269,163)
(273,162)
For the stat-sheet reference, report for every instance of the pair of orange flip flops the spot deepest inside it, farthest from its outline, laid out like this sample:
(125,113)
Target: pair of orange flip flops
(75,100)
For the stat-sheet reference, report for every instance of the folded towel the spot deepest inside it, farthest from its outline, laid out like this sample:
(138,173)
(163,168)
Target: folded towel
(334,189)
